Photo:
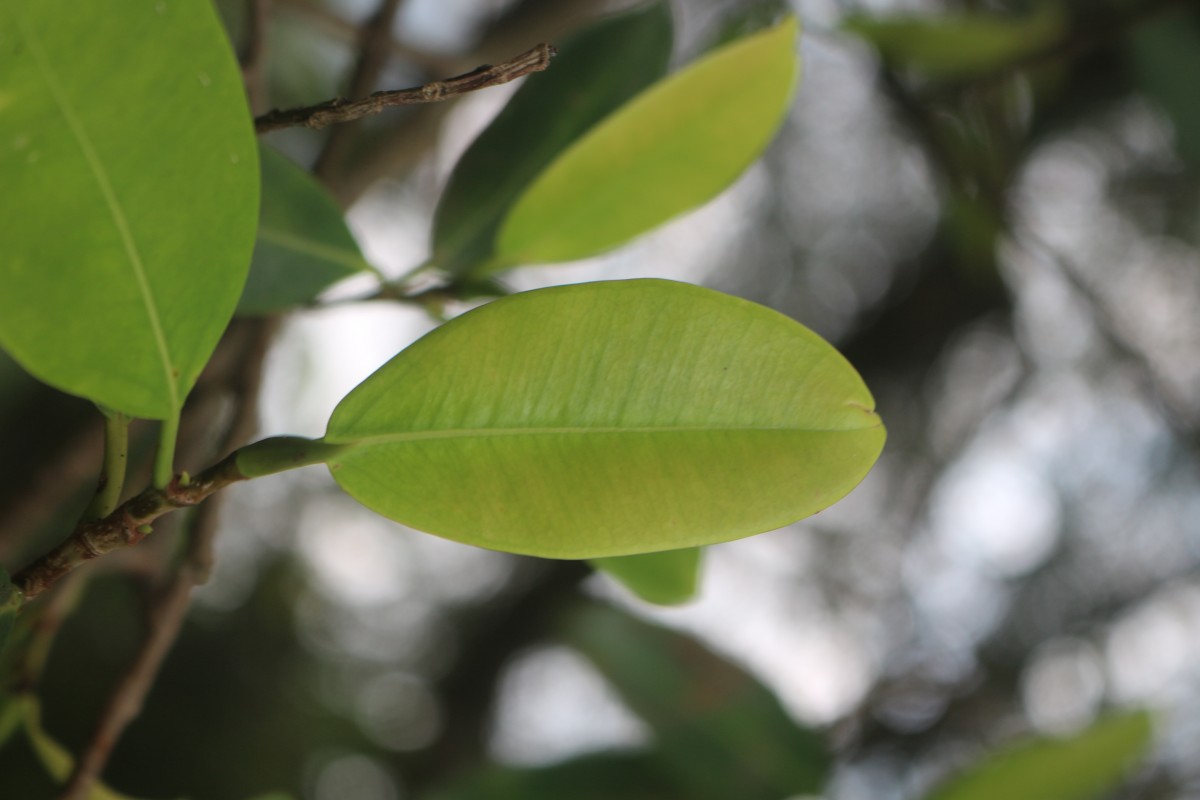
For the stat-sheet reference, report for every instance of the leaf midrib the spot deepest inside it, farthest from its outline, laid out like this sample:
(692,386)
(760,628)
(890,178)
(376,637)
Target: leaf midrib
(310,247)
(116,211)
(491,433)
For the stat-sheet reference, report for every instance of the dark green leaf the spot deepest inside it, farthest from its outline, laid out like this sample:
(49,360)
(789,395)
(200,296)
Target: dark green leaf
(607,419)
(594,73)
(1079,767)
(719,732)
(303,243)
(130,178)
(673,147)
(666,578)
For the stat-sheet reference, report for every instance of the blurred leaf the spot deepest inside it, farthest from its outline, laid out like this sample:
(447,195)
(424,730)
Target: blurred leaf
(274,796)
(594,73)
(54,757)
(127,228)
(720,733)
(670,149)
(1166,58)
(303,243)
(607,419)
(10,716)
(960,45)
(667,578)
(600,776)
(1080,767)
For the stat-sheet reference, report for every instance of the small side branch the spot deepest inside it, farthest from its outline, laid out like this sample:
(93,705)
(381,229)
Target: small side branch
(339,110)
(127,525)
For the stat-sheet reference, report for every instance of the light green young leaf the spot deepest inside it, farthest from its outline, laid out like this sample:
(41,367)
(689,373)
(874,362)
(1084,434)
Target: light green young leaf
(130,196)
(54,757)
(1080,767)
(959,45)
(594,73)
(670,149)
(303,243)
(667,578)
(718,732)
(607,419)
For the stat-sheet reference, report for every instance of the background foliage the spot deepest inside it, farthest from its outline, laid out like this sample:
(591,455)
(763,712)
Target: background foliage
(990,208)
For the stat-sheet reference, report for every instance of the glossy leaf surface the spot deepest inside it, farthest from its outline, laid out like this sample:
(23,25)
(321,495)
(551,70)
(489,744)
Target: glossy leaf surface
(670,149)
(1080,767)
(945,46)
(718,732)
(130,178)
(594,73)
(303,243)
(607,419)
(667,578)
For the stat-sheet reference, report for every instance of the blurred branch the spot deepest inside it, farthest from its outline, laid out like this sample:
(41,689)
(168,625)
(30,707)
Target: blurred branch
(253,55)
(1178,414)
(341,110)
(409,138)
(168,610)
(344,30)
(491,634)
(375,39)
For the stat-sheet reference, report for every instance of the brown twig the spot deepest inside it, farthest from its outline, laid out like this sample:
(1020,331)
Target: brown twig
(374,48)
(126,526)
(338,110)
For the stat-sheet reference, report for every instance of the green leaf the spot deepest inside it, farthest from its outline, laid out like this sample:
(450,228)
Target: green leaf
(55,758)
(666,578)
(595,71)
(1076,768)
(130,178)
(963,44)
(719,732)
(303,243)
(670,149)
(607,419)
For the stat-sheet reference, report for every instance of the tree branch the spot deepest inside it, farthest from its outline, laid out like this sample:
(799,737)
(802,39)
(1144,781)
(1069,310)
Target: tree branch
(253,55)
(127,525)
(339,110)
